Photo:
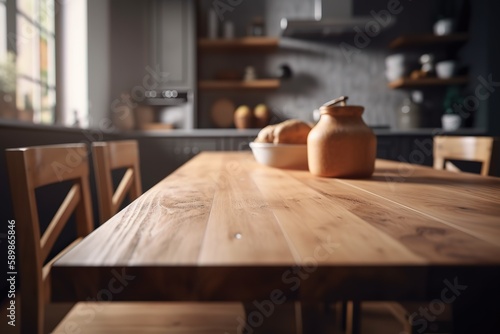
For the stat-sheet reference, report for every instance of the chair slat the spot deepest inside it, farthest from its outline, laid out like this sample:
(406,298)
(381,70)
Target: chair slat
(121,153)
(60,219)
(449,166)
(55,163)
(123,188)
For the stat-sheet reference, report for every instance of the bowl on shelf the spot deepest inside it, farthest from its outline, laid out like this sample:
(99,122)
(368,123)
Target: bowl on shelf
(445,69)
(395,60)
(287,156)
(451,122)
(394,74)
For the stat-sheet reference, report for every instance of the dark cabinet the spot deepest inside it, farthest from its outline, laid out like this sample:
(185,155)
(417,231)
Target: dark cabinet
(411,149)
(173,38)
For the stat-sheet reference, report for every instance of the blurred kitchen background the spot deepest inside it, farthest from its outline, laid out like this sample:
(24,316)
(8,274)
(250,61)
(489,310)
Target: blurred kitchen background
(324,65)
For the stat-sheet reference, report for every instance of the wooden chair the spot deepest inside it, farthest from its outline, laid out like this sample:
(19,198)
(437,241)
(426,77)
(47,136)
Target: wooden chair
(34,167)
(462,148)
(109,156)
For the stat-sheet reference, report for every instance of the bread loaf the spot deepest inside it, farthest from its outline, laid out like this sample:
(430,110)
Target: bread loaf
(266,135)
(292,131)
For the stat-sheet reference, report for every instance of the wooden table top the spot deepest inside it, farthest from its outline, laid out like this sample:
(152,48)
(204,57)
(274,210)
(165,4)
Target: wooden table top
(223,227)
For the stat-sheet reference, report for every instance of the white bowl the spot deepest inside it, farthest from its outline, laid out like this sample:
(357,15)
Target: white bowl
(289,156)
(451,122)
(445,69)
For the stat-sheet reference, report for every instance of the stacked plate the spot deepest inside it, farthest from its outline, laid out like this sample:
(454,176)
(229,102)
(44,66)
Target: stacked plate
(396,66)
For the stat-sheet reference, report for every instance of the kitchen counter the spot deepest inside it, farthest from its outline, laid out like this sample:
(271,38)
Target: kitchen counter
(12,124)
(429,132)
(209,133)
(254,132)
(194,133)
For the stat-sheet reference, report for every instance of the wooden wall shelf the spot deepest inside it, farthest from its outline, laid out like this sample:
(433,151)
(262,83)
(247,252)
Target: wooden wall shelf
(407,82)
(245,85)
(239,44)
(428,40)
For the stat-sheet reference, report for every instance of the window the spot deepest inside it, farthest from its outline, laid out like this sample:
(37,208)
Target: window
(35,42)
(3,30)
(30,34)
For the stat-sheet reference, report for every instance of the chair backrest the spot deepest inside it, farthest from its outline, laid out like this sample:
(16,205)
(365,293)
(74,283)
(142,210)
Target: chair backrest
(462,148)
(109,156)
(30,168)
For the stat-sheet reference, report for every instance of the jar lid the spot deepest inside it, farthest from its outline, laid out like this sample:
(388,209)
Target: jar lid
(339,107)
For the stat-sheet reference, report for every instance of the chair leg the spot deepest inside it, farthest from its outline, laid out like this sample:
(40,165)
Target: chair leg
(352,317)
(343,315)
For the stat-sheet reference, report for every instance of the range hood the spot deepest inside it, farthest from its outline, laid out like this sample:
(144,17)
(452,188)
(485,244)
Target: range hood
(331,17)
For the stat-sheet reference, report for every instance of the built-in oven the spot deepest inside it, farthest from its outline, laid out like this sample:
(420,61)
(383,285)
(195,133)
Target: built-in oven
(170,108)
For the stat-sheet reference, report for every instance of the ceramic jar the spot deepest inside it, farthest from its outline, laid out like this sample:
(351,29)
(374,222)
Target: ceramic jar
(8,108)
(410,113)
(341,144)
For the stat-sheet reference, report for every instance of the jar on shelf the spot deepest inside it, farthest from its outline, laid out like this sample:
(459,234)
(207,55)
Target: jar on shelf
(257,27)
(410,113)
(341,144)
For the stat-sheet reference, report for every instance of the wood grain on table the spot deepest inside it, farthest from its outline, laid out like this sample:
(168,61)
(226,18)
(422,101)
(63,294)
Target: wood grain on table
(223,227)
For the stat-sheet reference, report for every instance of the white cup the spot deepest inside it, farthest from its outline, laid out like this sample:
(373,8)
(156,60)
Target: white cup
(443,27)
